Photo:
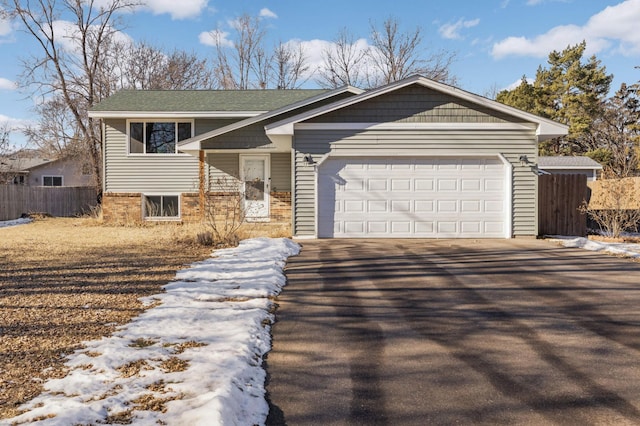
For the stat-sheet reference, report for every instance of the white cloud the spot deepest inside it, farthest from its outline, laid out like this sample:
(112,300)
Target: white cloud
(314,51)
(5,27)
(213,37)
(15,124)
(66,33)
(7,84)
(452,30)
(177,9)
(266,13)
(613,26)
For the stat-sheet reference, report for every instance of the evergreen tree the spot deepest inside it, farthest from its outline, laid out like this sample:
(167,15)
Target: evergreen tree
(570,91)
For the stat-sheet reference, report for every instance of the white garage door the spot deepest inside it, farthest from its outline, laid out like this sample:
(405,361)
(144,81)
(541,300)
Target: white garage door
(412,197)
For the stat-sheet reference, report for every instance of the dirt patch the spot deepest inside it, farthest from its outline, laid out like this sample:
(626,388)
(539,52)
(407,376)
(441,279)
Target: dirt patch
(64,281)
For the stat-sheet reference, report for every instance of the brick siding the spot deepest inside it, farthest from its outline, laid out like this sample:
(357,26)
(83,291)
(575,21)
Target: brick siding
(124,208)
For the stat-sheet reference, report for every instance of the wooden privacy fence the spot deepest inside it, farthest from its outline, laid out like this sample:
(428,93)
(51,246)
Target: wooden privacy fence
(56,201)
(559,199)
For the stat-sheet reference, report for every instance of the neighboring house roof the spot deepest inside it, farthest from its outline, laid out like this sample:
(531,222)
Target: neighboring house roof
(545,129)
(194,143)
(197,103)
(568,162)
(17,164)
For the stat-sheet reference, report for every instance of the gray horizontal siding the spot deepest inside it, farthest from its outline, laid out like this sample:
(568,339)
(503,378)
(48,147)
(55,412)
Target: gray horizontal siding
(415,104)
(252,136)
(224,171)
(225,167)
(510,143)
(145,173)
(204,125)
(281,172)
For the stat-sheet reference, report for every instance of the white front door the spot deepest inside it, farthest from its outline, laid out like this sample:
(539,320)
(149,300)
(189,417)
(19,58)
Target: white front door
(254,172)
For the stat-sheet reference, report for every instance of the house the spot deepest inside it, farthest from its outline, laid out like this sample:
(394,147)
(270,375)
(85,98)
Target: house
(25,168)
(572,165)
(415,158)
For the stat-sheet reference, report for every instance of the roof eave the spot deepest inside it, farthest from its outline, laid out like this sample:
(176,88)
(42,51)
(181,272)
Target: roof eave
(570,167)
(173,114)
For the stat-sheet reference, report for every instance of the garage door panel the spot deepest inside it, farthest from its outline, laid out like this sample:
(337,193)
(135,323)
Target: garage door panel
(424,206)
(400,206)
(447,206)
(377,206)
(400,227)
(380,227)
(471,185)
(424,229)
(401,184)
(471,227)
(494,206)
(474,206)
(354,206)
(494,227)
(447,185)
(374,184)
(493,185)
(423,184)
(416,197)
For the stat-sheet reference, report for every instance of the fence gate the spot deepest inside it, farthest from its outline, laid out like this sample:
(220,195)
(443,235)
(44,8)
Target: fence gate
(559,199)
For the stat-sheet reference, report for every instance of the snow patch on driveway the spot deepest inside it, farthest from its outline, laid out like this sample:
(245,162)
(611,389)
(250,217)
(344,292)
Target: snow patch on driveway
(618,249)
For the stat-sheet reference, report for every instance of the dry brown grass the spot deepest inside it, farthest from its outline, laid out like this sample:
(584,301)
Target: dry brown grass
(64,281)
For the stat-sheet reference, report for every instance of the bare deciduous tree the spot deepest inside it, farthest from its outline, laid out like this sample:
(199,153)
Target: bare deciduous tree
(614,205)
(56,132)
(395,55)
(614,136)
(291,66)
(72,35)
(236,70)
(262,67)
(186,71)
(145,67)
(4,138)
(344,62)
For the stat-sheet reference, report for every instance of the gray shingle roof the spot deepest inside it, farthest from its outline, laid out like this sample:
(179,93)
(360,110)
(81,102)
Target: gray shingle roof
(202,100)
(568,162)
(21,164)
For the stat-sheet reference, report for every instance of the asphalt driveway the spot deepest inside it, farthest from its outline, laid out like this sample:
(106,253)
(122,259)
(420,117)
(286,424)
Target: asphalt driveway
(422,332)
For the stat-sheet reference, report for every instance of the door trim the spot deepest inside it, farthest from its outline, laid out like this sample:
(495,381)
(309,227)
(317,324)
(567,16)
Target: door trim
(264,214)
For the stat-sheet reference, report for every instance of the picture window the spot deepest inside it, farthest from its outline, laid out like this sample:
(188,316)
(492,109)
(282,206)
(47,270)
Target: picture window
(157,137)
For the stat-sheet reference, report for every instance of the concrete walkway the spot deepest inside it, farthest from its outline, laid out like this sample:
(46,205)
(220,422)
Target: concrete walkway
(404,332)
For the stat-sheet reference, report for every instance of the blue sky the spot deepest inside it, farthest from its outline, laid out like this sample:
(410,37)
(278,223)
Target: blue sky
(496,41)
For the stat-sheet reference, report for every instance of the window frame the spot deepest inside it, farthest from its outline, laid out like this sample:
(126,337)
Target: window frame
(144,122)
(53,177)
(160,218)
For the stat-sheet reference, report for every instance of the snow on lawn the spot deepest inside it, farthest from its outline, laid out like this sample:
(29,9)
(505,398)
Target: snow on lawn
(197,353)
(14,222)
(618,249)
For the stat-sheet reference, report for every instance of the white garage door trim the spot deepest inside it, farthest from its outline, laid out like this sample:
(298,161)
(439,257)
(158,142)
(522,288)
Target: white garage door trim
(507,188)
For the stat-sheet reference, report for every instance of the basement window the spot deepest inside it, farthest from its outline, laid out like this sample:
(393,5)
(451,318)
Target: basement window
(161,206)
